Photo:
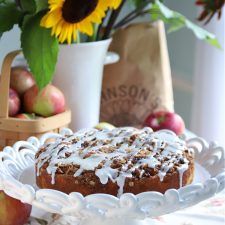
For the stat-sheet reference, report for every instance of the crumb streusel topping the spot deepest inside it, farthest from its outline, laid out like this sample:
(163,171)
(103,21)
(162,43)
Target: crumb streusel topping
(115,154)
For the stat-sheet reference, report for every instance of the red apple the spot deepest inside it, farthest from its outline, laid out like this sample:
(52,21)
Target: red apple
(27,116)
(165,120)
(49,101)
(13,211)
(14,102)
(21,79)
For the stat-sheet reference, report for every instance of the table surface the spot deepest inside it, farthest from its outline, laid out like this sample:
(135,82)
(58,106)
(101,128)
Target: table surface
(209,212)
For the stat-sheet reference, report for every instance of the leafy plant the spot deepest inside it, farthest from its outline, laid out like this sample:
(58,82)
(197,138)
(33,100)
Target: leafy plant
(42,30)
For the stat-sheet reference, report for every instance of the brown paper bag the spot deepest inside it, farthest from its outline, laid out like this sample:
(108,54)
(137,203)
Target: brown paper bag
(140,82)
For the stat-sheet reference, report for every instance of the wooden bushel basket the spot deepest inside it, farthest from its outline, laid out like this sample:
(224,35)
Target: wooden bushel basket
(14,129)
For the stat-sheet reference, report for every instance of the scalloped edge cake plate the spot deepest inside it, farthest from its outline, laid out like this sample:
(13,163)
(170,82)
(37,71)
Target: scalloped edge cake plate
(17,165)
(28,177)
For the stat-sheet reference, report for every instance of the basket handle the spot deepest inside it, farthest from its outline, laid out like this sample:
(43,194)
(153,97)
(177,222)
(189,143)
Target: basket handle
(5,82)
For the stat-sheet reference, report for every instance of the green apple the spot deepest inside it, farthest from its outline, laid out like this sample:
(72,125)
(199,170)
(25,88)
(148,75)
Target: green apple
(104,125)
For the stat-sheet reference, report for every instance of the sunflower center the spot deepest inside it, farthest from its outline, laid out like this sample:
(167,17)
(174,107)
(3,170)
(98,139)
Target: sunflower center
(74,11)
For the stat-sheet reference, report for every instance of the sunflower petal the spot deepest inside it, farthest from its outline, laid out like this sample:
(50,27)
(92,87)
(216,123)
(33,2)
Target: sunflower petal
(59,28)
(74,32)
(70,33)
(51,19)
(86,27)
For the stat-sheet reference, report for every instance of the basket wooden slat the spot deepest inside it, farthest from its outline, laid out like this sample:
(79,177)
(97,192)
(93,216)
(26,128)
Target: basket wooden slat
(14,129)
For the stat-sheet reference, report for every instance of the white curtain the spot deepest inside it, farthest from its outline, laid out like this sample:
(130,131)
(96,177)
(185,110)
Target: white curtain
(208,111)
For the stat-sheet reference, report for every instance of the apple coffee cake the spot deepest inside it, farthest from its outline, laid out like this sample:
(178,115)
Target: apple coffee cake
(115,161)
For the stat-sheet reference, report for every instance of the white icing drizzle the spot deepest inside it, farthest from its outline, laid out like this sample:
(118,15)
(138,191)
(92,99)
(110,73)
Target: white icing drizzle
(181,171)
(133,148)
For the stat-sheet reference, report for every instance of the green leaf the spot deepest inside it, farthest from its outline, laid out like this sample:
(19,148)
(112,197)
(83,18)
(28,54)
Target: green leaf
(177,21)
(41,5)
(25,19)
(28,5)
(40,50)
(9,15)
(203,34)
(136,3)
(139,3)
(7,1)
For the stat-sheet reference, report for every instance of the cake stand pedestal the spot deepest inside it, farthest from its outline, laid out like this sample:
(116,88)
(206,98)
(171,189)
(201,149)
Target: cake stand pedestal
(17,179)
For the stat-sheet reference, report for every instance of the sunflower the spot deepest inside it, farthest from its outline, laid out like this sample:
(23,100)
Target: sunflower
(67,17)
(114,3)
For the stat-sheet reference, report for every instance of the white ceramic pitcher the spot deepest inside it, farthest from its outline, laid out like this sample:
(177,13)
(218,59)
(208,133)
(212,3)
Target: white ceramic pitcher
(78,74)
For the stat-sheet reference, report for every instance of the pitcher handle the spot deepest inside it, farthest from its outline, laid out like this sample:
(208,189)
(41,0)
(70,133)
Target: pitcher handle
(111,58)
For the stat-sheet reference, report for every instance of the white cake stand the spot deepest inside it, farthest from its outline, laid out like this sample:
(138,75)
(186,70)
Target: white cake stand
(17,179)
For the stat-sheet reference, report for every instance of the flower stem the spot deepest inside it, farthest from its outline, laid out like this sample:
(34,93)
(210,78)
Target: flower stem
(99,32)
(78,37)
(133,14)
(123,23)
(112,20)
(18,3)
(94,36)
(101,26)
